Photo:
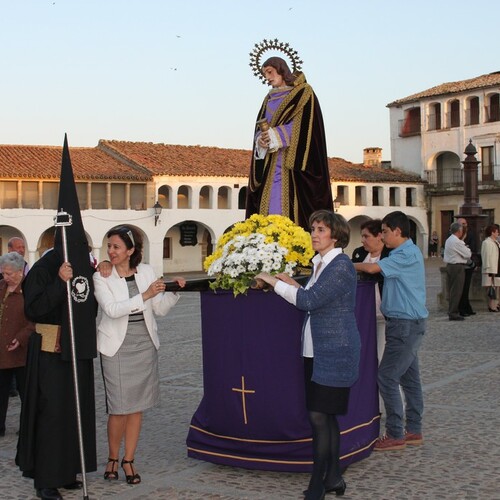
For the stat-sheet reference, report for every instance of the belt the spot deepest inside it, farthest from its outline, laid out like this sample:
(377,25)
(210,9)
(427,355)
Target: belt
(51,336)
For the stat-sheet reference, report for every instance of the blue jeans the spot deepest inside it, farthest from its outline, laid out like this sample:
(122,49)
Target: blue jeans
(399,367)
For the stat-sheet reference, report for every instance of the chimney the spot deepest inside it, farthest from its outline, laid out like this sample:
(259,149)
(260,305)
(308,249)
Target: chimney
(372,157)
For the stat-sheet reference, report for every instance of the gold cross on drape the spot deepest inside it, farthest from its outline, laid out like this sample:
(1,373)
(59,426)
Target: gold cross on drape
(243,392)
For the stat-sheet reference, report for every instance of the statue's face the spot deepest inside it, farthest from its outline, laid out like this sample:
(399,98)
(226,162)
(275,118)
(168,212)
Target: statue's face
(273,77)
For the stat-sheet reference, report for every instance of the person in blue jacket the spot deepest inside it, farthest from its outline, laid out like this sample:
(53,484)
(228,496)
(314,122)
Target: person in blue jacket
(330,345)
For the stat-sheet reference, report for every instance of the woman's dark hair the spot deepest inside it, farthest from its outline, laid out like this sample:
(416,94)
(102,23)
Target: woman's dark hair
(374,226)
(398,219)
(336,223)
(489,230)
(132,239)
(281,67)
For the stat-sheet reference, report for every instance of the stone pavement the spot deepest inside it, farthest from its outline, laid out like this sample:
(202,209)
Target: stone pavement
(460,459)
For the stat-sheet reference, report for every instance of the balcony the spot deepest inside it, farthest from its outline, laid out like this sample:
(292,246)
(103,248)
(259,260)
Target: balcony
(453,178)
(408,128)
(445,179)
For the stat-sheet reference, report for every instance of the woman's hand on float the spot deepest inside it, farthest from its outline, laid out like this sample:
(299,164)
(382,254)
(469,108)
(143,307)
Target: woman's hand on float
(180,281)
(154,289)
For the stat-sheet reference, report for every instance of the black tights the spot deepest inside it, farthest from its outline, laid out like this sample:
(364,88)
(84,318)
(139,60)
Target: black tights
(326,451)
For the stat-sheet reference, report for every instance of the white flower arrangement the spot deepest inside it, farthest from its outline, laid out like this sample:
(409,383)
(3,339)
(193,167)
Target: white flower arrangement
(272,243)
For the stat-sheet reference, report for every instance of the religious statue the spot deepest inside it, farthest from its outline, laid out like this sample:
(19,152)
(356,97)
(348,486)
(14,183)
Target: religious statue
(289,171)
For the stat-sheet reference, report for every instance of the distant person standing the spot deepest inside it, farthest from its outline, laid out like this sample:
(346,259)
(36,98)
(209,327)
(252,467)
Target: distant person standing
(16,244)
(469,238)
(15,330)
(433,244)
(489,258)
(403,305)
(456,255)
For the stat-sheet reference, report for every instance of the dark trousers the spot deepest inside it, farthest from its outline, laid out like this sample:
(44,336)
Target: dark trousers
(464,305)
(6,377)
(456,278)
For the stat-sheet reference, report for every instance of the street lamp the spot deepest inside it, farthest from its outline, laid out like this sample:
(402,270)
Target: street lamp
(157,208)
(336,204)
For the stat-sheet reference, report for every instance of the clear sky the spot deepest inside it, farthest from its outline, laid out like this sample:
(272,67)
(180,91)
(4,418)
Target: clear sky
(177,72)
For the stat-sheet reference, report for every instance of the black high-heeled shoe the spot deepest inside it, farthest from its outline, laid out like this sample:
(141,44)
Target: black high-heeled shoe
(338,489)
(314,495)
(112,474)
(133,478)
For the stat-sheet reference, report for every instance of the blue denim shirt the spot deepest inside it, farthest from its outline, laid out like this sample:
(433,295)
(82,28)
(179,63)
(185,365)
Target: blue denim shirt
(404,284)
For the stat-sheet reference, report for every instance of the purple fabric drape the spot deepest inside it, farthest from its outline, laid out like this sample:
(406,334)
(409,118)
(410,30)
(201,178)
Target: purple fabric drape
(253,411)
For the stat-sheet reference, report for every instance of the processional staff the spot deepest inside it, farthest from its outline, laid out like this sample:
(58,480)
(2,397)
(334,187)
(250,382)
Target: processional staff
(63,220)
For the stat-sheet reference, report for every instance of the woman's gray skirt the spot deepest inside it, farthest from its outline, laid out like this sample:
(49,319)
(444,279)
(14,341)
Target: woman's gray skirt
(131,376)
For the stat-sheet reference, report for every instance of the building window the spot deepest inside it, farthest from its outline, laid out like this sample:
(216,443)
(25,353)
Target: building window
(360,195)
(411,123)
(454,114)
(487,162)
(183,197)
(342,195)
(167,248)
(118,196)
(50,195)
(205,197)
(8,194)
(165,196)
(493,110)
(98,195)
(434,118)
(29,193)
(410,197)
(472,114)
(394,197)
(242,198)
(81,192)
(138,196)
(224,197)
(377,196)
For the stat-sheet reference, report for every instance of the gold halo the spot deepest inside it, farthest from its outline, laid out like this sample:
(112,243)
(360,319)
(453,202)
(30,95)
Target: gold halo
(266,45)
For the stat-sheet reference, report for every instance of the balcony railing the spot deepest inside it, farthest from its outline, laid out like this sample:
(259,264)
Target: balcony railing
(446,178)
(454,177)
(408,128)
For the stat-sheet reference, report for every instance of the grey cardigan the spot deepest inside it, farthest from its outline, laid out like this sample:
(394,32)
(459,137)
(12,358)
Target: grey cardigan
(331,302)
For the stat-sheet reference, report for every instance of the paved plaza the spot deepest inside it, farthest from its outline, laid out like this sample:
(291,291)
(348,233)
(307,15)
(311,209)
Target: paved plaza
(460,459)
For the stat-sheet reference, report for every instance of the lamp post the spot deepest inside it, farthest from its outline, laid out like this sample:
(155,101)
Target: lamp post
(336,204)
(157,208)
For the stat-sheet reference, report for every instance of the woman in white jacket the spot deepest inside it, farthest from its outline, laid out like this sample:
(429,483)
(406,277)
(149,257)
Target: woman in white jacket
(127,338)
(489,264)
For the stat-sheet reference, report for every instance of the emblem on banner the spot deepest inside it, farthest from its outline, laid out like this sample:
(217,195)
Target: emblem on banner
(80,289)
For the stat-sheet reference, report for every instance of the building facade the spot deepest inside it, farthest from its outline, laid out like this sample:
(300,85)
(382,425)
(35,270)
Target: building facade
(429,133)
(201,191)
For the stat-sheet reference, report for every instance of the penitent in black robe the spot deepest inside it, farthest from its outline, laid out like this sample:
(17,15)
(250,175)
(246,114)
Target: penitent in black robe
(48,449)
(305,178)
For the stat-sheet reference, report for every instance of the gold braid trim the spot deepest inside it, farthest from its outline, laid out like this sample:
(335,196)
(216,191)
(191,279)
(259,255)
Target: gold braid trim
(270,167)
(291,158)
(290,110)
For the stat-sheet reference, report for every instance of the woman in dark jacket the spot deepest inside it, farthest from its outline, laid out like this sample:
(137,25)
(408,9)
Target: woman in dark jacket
(331,343)
(15,330)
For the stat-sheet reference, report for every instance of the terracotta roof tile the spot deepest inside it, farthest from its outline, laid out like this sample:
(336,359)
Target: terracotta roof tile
(44,162)
(480,82)
(170,159)
(140,161)
(344,171)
